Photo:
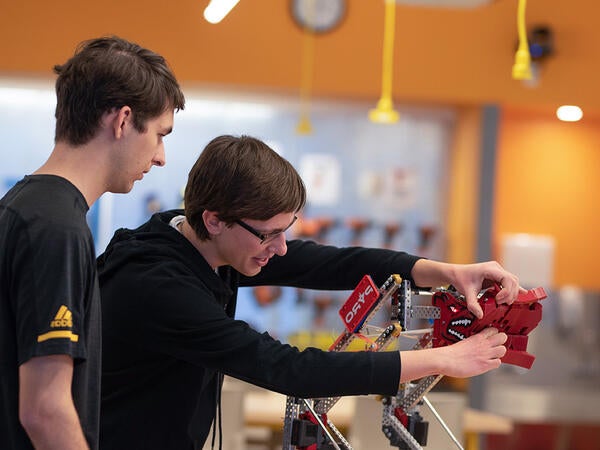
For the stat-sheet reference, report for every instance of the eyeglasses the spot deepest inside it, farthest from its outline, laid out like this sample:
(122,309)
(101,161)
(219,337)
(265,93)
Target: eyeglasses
(264,237)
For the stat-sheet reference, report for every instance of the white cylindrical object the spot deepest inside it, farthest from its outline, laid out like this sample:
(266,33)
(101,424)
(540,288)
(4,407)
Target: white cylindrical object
(218,9)
(530,257)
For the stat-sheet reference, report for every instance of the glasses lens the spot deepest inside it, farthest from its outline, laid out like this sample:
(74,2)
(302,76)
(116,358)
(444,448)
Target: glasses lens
(262,236)
(271,236)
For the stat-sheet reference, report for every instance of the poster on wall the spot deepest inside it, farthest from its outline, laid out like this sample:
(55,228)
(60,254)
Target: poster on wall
(394,187)
(402,183)
(322,176)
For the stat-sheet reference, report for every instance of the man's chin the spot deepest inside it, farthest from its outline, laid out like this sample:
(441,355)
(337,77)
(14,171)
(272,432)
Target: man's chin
(121,189)
(250,273)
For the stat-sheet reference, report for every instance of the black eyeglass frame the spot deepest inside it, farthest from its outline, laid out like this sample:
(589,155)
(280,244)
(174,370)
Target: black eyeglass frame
(264,237)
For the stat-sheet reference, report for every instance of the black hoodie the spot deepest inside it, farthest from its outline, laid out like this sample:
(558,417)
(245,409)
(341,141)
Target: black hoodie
(169,334)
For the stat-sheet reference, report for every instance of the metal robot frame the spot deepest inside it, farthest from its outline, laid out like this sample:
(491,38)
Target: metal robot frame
(306,425)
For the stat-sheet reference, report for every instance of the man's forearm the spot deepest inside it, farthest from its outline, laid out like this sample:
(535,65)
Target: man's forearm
(426,272)
(59,430)
(46,408)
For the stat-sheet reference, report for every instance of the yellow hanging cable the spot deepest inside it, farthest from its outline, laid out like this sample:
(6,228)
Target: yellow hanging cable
(308,56)
(521,69)
(384,111)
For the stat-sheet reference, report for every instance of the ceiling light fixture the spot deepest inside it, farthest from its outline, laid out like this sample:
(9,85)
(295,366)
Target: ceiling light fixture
(218,9)
(569,113)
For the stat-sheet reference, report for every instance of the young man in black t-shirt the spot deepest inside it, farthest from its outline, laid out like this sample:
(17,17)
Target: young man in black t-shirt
(115,103)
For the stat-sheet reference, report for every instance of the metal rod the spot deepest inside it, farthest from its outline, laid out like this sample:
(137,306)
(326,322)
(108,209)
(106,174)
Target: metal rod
(318,419)
(442,423)
(425,293)
(416,331)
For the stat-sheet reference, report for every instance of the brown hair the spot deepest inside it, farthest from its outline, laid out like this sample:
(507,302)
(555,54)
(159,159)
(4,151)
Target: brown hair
(107,73)
(241,178)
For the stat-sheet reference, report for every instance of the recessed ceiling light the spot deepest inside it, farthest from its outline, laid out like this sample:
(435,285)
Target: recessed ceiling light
(569,113)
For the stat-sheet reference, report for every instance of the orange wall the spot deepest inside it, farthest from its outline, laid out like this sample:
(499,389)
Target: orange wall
(463,197)
(548,183)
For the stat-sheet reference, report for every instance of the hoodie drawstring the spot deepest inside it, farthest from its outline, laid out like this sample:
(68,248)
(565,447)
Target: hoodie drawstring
(218,422)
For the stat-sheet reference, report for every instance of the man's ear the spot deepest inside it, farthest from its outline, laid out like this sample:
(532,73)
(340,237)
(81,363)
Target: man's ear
(213,224)
(118,119)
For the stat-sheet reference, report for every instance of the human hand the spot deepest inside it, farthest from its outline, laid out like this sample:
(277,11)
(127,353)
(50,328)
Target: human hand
(473,356)
(469,279)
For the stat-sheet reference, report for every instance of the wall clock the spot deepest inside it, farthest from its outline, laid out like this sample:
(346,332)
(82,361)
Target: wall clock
(319,16)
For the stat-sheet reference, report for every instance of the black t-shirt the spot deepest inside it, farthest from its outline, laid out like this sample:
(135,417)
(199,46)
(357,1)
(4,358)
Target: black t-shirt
(169,330)
(49,297)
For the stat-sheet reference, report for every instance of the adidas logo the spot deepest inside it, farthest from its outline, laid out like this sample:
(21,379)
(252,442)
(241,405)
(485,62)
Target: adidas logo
(62,319)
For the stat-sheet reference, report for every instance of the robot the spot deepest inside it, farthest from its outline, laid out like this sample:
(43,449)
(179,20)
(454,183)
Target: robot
(306,426)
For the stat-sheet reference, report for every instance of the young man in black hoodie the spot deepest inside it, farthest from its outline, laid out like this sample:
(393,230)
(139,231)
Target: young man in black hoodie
(169,297)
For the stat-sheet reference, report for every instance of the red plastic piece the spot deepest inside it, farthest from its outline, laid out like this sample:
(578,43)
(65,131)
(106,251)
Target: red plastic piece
(359,304)
(401,416)
(517,321)
(307,415)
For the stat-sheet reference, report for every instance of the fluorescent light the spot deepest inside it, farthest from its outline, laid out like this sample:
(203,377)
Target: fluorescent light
(569,113)
(26,97)
(227,110)
(218,9)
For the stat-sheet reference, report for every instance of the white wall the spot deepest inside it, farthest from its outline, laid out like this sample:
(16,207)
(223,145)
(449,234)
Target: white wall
(352,167)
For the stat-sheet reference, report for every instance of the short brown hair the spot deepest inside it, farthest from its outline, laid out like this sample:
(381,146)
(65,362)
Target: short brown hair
(107,73)
(241,178)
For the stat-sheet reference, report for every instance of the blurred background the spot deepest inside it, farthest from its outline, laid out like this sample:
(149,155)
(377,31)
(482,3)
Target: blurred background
(475,166)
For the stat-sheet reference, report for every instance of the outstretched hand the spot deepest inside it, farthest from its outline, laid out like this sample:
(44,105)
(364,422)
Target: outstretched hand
(475,355)
(469,279)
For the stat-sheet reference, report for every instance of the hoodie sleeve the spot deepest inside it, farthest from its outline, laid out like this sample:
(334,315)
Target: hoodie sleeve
(313,266)
(177,315)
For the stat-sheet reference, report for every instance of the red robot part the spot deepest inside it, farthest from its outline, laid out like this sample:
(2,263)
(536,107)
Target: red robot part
(517,321)
(360,303)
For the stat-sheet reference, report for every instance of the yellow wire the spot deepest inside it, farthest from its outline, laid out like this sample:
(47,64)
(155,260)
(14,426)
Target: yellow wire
(522,67)
(388,48)
(384,112)
(308,56)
